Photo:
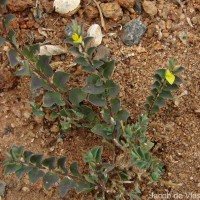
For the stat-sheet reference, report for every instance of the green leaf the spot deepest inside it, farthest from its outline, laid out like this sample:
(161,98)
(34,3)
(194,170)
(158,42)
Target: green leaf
(166,94)
(8,19)
(155,109)
(103,130)
(115,105)
(97,99)
(3,2)
(169,87)
(49,162)
(35,174)
(60,79)
(74,169)
(156,85)
(178,69)
(37,83)
(65,126)
(93,155)
(44,66)
(31,51)
(36,159)
(11,168)
(54,115)
(155,176)
(27,155)
(94,85)
(161,73)
(122,115)
(75,51)
(65,185)
(22,171)
(88,113)
(61,163)
(12,56)
(52,98)
(150,99)
(76,96)
(49,179)
(97,64)
(106,115)
(12,38)
(108,68)
(84,186)
(36,110)
(82,61)
(24,70)
(16,152)
(91,51)
(160,102)
(112,88)
(2,40)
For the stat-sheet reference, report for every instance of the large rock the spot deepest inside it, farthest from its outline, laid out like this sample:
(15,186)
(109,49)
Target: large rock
(133,32)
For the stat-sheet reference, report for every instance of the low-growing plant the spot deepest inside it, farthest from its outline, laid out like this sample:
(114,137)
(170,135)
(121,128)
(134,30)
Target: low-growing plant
(94,106)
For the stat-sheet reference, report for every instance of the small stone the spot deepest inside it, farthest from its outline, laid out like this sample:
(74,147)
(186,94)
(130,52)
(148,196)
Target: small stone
(2,188)
(133,32)
(27,114)
(55,129)
(20,5)
(198,185)
(112,10)
(103,53)
(138,6)
(126,3)
(95,32)
(150,8)
(60,140)
(91,12)
(25,189)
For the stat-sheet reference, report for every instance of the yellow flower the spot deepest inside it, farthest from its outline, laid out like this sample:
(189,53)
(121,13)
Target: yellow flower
(77,39)
(169,77)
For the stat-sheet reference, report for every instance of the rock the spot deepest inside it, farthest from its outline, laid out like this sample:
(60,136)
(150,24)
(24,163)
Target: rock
(103,53)
(20,5)
(2,188)
(133,32)
(66,6)
(95,32)
(150,7)
(25,189)
(138,6)
(91,12)
(112,10)
(55,129)
(126,3)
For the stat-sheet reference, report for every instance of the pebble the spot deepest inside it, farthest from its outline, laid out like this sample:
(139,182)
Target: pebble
(138,7)
(91,12)
(95,32)
(27,114)
(20,5)
(112,10)
(103,53)
(25,189)
(150,8)
(198,185)
(126,3)
(133,32)
(55,129)
(2,188)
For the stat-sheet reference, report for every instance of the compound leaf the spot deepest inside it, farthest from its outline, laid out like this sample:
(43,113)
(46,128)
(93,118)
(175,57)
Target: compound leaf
(35,174)
(65,185)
